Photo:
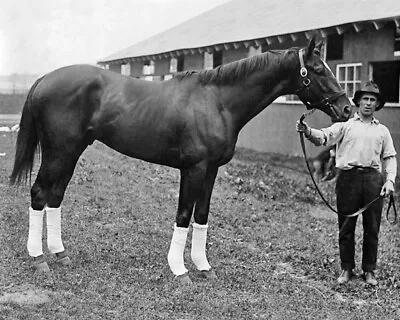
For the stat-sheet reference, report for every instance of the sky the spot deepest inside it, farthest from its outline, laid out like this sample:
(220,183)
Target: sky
(39,36)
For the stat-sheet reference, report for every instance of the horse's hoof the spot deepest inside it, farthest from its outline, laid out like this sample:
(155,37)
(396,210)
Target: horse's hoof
(184,279)
(64,261)
(208,274)
(41,266)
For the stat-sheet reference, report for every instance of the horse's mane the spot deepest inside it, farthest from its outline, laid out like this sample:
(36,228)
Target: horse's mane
(231,72)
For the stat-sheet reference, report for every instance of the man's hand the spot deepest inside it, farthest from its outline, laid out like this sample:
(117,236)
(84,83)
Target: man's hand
(303,127)
(387,189)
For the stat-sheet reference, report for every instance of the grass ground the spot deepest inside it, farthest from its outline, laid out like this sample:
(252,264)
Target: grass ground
(271,241)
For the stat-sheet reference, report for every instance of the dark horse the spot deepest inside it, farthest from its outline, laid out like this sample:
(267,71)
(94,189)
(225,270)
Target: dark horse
(190,122)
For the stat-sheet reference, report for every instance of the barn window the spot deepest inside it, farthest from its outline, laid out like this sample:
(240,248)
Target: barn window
(217,58)
(173,65)
(180,63)
(387,75)
(147,78)
(176,64)
(334,48)
(208,61)
(148,67)
(126,69)
(212,60)
(349,77)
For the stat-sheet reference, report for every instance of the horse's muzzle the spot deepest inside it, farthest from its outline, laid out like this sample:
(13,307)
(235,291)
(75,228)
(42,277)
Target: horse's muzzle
(344,116)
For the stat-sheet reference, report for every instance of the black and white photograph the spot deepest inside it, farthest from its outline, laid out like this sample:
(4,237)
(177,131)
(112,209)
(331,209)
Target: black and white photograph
(199,159)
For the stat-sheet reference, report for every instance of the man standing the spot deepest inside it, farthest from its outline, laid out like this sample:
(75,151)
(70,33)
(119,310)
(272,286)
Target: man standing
(364,149)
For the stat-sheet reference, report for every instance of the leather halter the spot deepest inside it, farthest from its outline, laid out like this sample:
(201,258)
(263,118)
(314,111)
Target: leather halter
(323,102)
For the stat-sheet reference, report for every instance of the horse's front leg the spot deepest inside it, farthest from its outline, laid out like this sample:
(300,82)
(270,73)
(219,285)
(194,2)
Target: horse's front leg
(200,226)
(192,179)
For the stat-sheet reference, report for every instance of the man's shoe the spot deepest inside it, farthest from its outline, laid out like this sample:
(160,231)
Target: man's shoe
(345,276)
(370,278)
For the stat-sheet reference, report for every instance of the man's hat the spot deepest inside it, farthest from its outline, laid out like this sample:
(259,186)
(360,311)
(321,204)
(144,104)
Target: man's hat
(369,87)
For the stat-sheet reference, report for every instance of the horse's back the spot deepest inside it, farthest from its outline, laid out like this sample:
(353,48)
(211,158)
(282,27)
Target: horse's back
(172,122)
(71,78)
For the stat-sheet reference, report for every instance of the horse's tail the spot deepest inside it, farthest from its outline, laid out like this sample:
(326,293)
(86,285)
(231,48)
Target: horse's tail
(27,142)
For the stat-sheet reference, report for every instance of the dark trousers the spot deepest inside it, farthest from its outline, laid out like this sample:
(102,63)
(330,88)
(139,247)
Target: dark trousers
(354,189)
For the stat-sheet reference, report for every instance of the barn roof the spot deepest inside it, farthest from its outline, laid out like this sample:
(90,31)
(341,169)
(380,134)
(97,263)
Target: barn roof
(253,22)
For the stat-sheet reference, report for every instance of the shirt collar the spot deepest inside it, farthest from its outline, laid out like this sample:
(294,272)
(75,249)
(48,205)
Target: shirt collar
(357,117)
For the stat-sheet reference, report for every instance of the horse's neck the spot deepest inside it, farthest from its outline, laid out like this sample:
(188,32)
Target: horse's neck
(258,91)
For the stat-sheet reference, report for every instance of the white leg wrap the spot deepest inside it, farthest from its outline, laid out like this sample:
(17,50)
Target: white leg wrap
(35,235)
(175,254)
(198,252)
(54,241)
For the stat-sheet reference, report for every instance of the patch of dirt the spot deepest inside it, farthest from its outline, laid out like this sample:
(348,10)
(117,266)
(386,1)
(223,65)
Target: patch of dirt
(25,295)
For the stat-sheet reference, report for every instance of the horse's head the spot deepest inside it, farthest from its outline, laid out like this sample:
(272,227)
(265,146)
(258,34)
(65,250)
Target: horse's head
(318,88)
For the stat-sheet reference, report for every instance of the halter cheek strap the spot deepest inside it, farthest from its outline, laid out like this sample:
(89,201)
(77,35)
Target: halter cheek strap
(303,69)
(324,102)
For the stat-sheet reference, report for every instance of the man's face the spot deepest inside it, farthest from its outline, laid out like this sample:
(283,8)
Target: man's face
(368,104)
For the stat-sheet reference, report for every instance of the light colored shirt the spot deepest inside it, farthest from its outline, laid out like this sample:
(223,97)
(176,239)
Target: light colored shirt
(360,144)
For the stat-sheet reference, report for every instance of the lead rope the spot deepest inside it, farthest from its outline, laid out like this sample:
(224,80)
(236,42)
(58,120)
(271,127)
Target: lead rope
(392,204)
(391,201)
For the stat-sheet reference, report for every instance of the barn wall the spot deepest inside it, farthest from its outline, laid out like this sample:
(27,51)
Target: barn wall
(193,62)
(367,46)
(161,67)
(273,130)
(234,55)
(136,69)
(115,67)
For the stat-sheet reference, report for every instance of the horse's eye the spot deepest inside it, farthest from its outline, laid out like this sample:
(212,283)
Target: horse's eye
(319,69)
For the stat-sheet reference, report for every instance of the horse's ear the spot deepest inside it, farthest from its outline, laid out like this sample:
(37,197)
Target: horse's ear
(316,43)
(310,47)
(319,45)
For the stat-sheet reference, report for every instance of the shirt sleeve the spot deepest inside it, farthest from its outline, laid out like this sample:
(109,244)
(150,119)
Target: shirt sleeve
(388,147)
(390,168)
(389,157)
(334,133)
(326,136)
(317,137)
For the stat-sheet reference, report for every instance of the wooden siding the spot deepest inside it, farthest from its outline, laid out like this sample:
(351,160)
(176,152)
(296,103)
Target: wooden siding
(367,46)
(234,55)
(273,130)
(137,69)
(193,62)
(115,68)
(161,67)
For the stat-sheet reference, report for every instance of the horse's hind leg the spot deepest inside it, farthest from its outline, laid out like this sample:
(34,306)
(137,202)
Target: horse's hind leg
(47,194)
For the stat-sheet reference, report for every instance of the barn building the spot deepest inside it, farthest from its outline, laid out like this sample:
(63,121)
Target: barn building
(361,42)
